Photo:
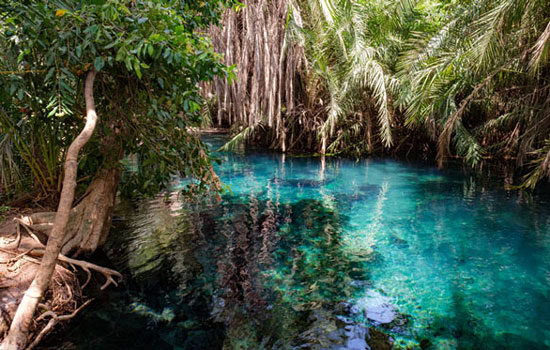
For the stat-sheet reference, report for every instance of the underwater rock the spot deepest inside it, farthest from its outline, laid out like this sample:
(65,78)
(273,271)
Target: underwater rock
(381,313)
(357,338)
(378,340)
(320,331)
(167,314)
(400,325)
(425,343)
(377,308)
(398,242)
(308,183)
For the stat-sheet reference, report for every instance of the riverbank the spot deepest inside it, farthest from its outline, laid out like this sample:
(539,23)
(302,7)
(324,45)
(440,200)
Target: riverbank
(22,245)
(203,275)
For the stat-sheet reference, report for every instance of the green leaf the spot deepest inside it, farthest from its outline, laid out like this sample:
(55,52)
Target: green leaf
(20,57)
(99,63)
(50,73)
(137,68)
(111,45)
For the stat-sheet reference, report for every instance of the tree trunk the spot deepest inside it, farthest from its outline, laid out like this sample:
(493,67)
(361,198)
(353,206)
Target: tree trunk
(17,336)
(91,219)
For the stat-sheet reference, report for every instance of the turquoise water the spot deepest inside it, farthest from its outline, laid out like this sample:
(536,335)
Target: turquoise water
(310,254)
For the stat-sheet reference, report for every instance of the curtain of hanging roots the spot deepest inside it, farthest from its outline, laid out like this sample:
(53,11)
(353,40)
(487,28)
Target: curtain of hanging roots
(269,92)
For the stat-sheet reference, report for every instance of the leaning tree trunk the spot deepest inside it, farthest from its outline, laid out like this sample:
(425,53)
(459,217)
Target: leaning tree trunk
(90,220)
(17,336)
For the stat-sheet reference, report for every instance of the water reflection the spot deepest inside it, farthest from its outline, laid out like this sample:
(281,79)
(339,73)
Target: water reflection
(329,254)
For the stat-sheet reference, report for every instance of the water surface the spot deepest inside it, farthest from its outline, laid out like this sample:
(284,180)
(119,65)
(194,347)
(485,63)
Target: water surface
(311,254)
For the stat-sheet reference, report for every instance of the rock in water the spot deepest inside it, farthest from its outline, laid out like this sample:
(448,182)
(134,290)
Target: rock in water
(356,341)
(377,307)
(379,341)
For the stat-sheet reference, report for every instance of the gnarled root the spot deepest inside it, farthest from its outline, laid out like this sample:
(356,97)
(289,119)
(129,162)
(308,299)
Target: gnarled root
(89,221)
(53,321)
(19,260)
(87,266)
(17,269)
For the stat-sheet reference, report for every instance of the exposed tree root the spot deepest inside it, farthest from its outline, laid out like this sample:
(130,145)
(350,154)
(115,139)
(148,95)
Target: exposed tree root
(86,266)
(20,257)
(53,321)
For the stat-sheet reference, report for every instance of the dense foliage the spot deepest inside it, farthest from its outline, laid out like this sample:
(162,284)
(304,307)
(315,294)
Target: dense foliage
(150,57)
(458,78)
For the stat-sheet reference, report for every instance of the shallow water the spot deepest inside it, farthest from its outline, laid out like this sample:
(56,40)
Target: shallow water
(306,254)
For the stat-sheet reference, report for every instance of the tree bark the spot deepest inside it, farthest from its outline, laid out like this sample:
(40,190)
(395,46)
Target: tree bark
(91,219)
(17,336)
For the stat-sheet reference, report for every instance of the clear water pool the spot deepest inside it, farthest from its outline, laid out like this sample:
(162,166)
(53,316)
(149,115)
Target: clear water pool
(311,254)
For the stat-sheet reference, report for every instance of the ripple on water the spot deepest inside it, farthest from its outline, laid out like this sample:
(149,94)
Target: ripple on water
(325,255)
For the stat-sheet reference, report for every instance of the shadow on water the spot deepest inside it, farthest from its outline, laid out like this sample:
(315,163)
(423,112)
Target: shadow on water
(312,255)
(465,331)
(240,274)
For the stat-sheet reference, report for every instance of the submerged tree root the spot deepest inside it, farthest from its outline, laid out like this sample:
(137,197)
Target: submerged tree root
(20,257)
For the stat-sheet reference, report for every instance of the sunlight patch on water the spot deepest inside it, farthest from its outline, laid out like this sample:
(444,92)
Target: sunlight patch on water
(321,254)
